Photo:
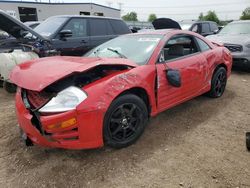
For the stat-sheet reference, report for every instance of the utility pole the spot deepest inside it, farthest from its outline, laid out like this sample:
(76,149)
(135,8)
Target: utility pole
(120,6)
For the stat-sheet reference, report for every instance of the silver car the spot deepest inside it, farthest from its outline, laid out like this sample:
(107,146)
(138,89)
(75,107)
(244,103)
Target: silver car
(236,37)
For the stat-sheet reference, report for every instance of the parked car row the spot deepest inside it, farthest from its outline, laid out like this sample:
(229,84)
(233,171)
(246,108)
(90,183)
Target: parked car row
(64,35)
(204,28)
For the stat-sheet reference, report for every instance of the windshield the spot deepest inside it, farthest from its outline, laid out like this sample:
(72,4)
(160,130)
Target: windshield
(236,28)
(137,48)
(185,25)
(50,26)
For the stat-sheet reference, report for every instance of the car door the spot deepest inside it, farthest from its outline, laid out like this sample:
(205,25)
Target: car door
(79,43)
(180,53)
(210,57)
(100,31)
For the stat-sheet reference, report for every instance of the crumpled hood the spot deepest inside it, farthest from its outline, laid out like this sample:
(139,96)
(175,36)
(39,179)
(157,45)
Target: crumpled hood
(230,39)
(38,74)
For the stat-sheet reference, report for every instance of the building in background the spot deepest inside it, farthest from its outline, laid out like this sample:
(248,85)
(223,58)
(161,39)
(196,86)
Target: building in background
(38,11)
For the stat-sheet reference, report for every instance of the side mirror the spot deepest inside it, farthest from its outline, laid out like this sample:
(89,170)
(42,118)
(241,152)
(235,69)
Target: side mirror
(65,33)
(174,77)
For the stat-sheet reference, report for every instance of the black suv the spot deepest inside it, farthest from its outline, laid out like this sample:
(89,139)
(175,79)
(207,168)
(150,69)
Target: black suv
(204,28)
(75,35)
(69,35)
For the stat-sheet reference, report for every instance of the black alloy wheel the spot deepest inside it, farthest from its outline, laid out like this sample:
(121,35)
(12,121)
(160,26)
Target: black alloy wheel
(125,121)
(219,82)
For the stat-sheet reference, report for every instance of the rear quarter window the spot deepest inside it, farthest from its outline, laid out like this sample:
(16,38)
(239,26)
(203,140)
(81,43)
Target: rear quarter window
(119,27)
(100,27)
(203,45)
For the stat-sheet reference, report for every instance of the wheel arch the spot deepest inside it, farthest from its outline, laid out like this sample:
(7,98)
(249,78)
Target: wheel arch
(139,92)
(219,66)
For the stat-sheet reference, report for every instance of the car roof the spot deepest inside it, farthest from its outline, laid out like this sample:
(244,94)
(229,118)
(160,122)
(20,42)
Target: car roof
(195,21)
(83,16)
(240,21)
(165,32)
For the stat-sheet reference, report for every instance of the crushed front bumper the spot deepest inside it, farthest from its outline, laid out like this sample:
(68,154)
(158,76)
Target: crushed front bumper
(85,134)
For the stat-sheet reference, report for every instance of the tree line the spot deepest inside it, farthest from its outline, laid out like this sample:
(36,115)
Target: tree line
(210,16)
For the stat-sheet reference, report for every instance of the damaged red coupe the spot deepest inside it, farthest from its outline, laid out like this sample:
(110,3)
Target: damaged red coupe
(107,96)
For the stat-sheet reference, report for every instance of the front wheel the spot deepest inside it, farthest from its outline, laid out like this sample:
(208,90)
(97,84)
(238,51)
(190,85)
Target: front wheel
(218,83)
(125,121)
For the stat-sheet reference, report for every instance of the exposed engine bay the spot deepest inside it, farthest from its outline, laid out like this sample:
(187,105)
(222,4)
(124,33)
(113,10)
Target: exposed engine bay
(38,99)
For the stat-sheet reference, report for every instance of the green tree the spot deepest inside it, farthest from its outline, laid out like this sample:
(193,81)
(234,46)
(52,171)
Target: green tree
(245,14)
(201,17)
(152,17)
(212,16)
(131,16)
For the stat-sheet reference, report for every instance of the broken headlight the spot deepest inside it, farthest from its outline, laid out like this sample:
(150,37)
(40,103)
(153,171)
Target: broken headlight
(67,99)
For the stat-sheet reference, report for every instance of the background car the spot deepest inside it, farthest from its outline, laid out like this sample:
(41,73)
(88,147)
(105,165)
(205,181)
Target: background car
(108,95)
(75,35)
(18,47)
(204,28)
(236,37)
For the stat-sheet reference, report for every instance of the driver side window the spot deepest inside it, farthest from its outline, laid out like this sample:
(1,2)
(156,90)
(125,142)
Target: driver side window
(78,27)
(177,47)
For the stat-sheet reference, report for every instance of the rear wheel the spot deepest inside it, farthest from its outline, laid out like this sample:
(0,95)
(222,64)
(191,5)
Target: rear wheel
(9,87)
(218,83)
(1,83)
(125,121)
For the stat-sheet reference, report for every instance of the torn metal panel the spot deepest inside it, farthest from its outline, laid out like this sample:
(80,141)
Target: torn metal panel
(46,71)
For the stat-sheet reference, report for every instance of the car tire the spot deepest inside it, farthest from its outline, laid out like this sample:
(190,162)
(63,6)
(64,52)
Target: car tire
(9,87)
(248,140)
(125,121)
(1,83)
(218,83)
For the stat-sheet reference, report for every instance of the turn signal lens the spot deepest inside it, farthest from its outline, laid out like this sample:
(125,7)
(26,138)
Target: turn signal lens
(68,123)
(64,124)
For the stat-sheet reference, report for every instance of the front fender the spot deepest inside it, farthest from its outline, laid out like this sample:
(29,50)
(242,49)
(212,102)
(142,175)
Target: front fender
(102,92)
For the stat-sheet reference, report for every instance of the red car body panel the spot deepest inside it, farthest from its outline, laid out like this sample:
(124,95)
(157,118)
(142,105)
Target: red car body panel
(196,71)
(46,73)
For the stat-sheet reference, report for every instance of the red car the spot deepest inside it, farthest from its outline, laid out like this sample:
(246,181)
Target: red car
(108,95)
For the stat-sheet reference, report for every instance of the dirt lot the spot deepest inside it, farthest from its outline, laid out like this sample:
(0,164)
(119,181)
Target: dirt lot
(198,144)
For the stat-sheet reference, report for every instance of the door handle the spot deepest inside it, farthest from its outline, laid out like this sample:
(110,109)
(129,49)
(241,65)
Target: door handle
(83,41)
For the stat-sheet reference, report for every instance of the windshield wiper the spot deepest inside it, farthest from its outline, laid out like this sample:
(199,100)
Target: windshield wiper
(117,52)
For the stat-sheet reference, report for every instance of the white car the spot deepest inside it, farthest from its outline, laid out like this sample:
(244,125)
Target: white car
(15,47)
(236,37)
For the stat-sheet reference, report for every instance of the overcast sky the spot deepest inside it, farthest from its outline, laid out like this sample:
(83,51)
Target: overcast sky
(176,9)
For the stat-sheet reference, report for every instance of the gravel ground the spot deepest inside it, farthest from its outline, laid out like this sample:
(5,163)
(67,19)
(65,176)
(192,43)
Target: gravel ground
(200,143)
